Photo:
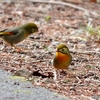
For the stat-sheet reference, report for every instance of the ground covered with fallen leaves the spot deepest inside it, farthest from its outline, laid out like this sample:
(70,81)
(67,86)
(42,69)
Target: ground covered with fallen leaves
(78,28)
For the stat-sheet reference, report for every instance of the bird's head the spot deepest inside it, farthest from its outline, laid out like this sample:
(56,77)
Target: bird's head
(31,27)
(63,49)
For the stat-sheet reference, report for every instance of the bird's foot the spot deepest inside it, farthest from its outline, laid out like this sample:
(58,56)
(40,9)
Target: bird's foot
(19,50)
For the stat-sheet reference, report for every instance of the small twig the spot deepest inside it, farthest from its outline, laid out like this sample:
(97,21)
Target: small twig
(85,52)
(37,61)
(40,61)
(39,40)
(43,40)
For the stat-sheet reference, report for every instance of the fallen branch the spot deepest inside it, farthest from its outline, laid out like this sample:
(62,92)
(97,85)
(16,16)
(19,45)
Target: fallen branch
(62,3)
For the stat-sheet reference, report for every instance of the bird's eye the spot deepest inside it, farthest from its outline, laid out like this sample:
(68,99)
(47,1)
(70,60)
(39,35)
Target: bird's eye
(62,49)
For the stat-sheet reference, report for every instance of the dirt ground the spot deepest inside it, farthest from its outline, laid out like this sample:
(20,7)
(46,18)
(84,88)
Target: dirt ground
(77,26)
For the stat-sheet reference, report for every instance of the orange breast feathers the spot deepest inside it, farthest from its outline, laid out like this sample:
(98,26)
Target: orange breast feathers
(27,34)
(61,60)
(62,57)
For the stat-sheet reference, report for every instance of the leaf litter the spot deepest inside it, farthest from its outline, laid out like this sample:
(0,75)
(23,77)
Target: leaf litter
(57,24)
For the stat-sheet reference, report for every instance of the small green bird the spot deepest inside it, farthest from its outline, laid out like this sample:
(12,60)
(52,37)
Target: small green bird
(17,34)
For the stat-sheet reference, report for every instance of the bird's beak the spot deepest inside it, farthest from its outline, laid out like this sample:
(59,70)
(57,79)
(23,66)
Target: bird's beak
(37,31)
(56,50)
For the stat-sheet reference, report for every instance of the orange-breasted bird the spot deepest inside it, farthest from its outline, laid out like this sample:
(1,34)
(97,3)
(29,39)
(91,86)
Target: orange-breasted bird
(62,57)
(17,34)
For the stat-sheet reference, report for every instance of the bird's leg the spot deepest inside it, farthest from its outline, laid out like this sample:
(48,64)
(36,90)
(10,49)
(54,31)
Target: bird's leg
(17,48)
(56,74)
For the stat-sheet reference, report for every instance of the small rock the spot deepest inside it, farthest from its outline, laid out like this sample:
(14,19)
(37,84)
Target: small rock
(23,73)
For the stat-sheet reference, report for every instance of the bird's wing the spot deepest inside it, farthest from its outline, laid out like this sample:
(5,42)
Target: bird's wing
(7,32)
